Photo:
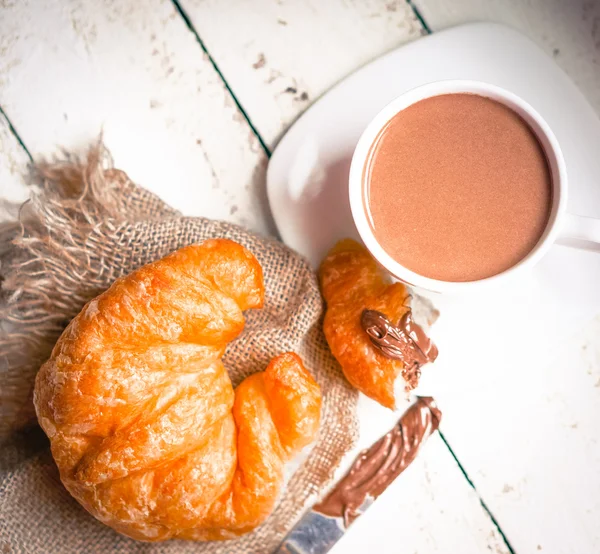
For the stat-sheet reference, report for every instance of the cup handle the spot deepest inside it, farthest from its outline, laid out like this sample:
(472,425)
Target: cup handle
(580,232)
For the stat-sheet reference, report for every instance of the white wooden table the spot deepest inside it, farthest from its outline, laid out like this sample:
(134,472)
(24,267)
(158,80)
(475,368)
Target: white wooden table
(193,96)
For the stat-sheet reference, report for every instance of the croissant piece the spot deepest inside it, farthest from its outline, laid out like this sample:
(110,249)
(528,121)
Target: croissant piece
(145,427)
(356,290)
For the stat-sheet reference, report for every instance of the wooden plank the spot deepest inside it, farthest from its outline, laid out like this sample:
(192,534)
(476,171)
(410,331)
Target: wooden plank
(69,69)
(568,30)
(13,169)
(526,431)
(280,56)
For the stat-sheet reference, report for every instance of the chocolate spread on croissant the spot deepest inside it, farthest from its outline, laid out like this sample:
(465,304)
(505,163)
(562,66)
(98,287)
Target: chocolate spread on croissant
(376,467)
(406,341)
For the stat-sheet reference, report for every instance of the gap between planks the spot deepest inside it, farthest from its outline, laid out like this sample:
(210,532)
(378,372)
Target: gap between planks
(481,500)
(419,16)
(15,134)
(193,30)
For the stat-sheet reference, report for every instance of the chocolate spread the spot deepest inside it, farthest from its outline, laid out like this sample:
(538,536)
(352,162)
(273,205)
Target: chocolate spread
(375,468)
(406,341)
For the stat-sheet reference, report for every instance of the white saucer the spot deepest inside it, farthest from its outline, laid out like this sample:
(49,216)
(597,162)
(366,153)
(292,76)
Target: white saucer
(307,188)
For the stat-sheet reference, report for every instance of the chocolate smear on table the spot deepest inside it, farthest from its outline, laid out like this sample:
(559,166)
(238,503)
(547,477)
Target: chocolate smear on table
(406,342)
(376,467)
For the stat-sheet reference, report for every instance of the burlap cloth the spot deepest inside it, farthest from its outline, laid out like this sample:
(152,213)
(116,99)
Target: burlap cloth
(85,226)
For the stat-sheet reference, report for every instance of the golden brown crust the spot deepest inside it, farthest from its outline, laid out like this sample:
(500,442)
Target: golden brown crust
(351,282)
(145,427)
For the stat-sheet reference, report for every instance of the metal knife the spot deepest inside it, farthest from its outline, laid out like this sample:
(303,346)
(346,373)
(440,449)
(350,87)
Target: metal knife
(371,473)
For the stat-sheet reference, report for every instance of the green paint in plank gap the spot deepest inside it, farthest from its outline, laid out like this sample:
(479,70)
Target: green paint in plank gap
(15,134)
(481,501)
(191,27)
(419,16)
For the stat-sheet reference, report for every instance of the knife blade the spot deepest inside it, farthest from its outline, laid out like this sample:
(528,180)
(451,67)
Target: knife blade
(373,470)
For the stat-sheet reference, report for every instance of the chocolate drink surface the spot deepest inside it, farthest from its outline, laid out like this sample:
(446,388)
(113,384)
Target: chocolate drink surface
(457,188)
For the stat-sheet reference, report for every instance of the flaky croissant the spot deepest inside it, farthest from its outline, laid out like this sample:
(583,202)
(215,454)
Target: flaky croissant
(145,427)
(354,286)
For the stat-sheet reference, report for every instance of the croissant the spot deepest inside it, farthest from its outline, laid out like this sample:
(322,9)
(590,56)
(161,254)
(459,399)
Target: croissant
(145,427)
(362,307)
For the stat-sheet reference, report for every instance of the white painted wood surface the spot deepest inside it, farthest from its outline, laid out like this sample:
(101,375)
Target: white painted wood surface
(171,123)
(113,65)
(529,440)
(279,56)
(68,68)
(568,30)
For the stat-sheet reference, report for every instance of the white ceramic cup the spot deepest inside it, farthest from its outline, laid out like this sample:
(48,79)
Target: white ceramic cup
(560,223)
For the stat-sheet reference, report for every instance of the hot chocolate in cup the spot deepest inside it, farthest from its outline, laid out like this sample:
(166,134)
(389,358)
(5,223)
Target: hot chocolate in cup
(460,184)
